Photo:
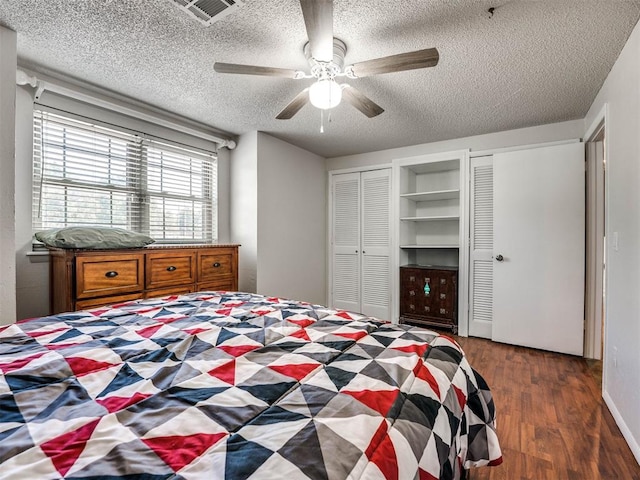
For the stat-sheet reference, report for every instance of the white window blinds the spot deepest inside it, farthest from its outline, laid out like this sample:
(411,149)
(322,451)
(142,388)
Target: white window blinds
(86,174)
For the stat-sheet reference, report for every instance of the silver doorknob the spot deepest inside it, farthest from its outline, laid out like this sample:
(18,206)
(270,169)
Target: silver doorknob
(499,258)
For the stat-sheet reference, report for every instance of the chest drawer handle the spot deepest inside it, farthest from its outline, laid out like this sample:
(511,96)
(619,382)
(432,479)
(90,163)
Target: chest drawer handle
(111,274)
(216,265)
(171,268)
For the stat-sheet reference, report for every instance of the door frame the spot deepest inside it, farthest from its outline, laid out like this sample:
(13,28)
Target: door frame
(596,325)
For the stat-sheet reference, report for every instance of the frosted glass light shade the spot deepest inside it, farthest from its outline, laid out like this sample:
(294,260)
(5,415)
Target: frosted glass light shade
(325,94)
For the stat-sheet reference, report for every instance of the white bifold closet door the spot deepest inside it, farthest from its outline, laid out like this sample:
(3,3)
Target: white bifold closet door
(345,257)
(481,248)
(361,242)
(376,244)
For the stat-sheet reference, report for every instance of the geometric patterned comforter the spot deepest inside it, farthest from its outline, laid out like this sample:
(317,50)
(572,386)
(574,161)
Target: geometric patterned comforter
(216,385)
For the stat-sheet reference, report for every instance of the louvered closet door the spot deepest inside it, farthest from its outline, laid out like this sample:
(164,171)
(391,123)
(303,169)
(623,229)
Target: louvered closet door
(481,248)
(345,218)
(376,243)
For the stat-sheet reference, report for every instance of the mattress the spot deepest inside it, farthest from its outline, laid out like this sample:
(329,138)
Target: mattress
(234,385)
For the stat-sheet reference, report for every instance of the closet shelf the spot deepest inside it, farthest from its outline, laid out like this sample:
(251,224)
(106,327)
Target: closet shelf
(434,167)
(429,246)
(433,218)
(431,196)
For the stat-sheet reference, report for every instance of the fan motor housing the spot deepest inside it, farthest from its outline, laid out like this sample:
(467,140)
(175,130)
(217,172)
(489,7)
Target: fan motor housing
(322,69)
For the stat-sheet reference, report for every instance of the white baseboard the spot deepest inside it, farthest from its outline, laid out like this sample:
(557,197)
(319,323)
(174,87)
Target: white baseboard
(626,433)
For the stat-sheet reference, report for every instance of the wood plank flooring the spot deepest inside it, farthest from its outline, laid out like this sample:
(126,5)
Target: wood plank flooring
(551,419)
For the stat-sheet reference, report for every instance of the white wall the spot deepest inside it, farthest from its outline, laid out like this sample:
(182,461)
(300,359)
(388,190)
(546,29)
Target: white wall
(510,138)
(621,94)
(224,195)
(8,59)
(292,217)
(32,280)
(244,208)
(278,215)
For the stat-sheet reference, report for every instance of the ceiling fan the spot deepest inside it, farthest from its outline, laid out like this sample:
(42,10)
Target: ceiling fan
(326,59)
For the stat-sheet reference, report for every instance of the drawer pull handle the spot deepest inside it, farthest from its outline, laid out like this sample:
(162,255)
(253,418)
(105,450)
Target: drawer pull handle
(171,268)
(111,274)
(216,265)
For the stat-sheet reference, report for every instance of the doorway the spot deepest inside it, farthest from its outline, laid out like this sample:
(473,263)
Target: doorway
(595,258)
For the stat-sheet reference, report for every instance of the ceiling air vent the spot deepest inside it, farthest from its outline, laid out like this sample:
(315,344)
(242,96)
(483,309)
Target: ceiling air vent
(208,11)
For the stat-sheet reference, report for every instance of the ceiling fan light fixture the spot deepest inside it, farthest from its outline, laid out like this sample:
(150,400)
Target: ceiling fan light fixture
(326,66)
(325,94)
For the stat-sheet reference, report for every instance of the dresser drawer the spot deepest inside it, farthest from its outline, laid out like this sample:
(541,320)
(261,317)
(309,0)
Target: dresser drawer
(216,265)
(173,268)
(414,299)
(224,285)
(444,302)
(102,275)
(164,292)
(100,302)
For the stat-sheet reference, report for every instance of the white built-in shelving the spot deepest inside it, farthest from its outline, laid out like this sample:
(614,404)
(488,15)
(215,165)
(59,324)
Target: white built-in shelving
(415,247)
(430,213)
(431,218)
(432,196)
(429,209)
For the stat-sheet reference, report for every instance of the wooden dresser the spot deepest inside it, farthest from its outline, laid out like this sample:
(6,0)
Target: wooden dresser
(429,296)
(82,279)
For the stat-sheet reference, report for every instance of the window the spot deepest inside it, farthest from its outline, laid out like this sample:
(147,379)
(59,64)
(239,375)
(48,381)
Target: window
(87,174)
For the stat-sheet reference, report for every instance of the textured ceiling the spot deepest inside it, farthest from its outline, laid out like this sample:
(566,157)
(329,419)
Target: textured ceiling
(533,62)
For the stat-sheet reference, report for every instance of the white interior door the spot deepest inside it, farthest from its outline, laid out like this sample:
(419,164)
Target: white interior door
(376,243)
(539,230)
(345,261)
(481,248)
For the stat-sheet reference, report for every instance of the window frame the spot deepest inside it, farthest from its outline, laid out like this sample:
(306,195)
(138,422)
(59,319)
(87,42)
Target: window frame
(136,177)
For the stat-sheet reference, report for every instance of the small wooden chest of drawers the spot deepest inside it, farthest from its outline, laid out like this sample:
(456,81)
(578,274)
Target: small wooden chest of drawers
(429,296)
(82,279)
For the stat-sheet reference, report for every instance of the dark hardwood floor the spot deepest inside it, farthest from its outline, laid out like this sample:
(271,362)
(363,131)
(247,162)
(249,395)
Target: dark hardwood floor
(551,419)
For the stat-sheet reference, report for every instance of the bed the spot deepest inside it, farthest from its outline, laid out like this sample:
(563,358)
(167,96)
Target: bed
(237,386)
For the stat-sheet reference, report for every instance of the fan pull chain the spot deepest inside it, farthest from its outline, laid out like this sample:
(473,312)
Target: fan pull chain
(322,120)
